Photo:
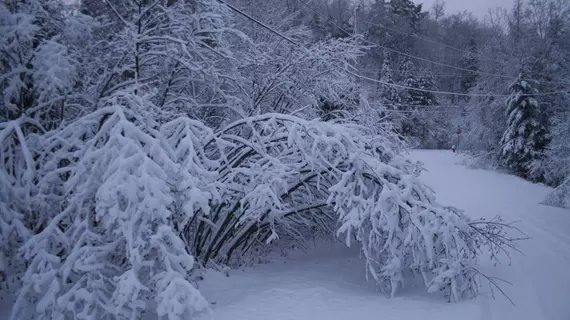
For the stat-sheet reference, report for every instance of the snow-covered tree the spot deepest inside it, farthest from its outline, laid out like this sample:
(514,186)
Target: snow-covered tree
(428,83)
(179,52)
(557,165)
(37,64)
(469,62)
(416,124)
(526,136)
(332,13)
(310,174)
(558,152)
(409,11)
(420,79)
(308,81)
(389,95)
(115,198)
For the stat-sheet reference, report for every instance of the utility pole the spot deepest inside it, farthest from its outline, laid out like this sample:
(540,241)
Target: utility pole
(458,135)
(355,11)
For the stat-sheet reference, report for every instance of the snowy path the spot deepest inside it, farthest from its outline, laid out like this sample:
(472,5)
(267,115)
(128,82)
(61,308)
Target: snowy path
(330,284)
(541,278)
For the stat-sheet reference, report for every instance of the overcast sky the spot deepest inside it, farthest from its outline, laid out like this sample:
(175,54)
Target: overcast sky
(478,7)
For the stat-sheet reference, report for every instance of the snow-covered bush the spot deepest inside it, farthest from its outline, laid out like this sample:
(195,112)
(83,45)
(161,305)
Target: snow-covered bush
(274,173)
(110,244)
(402,229)
(127,203)
(560,196)
(17,174)
(557,167)
(283,175)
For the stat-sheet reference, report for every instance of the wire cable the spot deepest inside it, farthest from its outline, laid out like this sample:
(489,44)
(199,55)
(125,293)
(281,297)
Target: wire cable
(426,39)
(375,80)
(260,23)
(306,5)
(453,93)
(445,45)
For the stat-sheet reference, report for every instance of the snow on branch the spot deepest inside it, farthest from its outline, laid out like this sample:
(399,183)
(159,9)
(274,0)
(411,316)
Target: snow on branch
(128,203)
(112,247)
(278,164)
(402,228)
(17,174)
(560,196)
(281,80)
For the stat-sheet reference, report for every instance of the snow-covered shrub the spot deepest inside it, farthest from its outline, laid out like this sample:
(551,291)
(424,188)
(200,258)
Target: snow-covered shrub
(283,175)
(126,204)
(17,174)
(560,196)
(274,173)
(401,228)
(557,166)
(111,245)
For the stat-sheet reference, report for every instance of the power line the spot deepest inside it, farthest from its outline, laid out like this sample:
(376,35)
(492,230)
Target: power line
(412,56)
(420,106)
(448,46)
(451,93)
(431,74)
(443,64)
(379,81)
(418,111)
(260,23)
(426,39)
(399,52)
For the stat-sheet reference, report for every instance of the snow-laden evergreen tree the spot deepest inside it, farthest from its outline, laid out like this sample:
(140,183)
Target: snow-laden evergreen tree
(409,11)
(526,137)
(421,79)
(389,95)
(409,79)
(417,124)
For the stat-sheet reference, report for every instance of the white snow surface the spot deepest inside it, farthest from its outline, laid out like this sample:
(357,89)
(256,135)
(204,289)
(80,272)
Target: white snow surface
(328,281)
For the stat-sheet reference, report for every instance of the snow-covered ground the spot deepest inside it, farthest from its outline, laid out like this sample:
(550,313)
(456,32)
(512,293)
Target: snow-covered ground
(328,283)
